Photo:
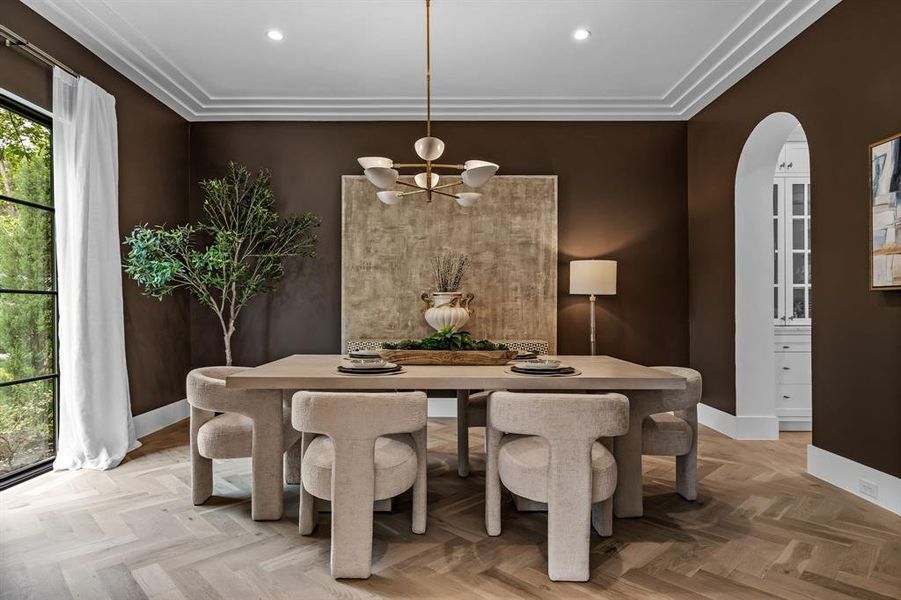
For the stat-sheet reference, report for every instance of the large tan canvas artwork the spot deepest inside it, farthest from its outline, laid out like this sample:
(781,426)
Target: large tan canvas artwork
(510,236)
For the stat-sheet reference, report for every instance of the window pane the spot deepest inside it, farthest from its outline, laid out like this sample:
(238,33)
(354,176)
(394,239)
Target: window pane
(809,270)
(775,200)
(776,302)
(809,303)
(798,234)
(26,159)
(776,268)
(26,424)
(798,199)
(797,268)
(26,335)
(798,303)
(26,247)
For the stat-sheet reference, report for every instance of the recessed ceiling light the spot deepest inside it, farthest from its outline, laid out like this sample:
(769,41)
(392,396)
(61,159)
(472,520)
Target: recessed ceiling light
(275,35)
(581,34)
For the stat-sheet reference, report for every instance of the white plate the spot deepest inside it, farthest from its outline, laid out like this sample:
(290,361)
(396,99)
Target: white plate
(540,365)
(354,364)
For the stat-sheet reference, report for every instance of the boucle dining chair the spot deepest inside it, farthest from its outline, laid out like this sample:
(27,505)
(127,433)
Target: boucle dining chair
(230,423)
(674,430)
(358,448)
(472,407)
(545,447)
(669,427)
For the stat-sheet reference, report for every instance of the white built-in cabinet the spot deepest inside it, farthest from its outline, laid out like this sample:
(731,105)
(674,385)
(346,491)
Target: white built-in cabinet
(792,297)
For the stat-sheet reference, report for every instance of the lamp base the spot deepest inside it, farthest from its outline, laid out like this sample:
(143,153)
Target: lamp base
(591,300)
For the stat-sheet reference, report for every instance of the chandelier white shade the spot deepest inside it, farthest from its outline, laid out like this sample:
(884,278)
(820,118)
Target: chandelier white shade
(383,172)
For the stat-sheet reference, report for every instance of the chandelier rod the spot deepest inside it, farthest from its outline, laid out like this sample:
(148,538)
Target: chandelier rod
(428,70)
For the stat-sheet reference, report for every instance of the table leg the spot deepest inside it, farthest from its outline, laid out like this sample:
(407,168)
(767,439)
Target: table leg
(267,463)
(627,500)
(463,433)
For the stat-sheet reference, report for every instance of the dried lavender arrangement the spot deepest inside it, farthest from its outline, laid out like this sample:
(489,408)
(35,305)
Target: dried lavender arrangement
(449,268)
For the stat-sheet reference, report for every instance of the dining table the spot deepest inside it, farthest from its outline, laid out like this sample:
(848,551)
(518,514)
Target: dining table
(593,373)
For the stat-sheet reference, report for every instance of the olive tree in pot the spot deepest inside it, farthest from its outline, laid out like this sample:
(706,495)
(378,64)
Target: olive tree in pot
(234,253)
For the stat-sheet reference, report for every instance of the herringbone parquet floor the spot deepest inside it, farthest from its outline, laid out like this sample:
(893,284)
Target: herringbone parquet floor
(761,528)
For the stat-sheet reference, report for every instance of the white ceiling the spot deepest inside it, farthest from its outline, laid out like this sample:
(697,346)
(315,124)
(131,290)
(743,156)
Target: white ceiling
(491,59)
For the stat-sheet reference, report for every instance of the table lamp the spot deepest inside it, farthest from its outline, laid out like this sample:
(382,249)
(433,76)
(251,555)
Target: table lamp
(592,277)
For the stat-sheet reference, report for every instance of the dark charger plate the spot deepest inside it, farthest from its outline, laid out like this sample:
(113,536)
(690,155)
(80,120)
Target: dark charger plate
(358,371)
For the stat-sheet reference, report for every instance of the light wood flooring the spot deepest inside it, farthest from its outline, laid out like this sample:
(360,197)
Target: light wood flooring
(761,528)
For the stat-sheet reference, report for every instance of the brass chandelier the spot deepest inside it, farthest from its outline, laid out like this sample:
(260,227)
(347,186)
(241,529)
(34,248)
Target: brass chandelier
(383,172)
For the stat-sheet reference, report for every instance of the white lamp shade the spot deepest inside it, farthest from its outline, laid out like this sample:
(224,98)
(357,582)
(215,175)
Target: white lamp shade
(478,172)
(421,179)
(429,148)
(375,161)
(592,277)
(388,197)
(381,177)
(467,199)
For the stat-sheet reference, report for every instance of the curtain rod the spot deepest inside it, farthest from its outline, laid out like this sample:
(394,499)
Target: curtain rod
(14,40)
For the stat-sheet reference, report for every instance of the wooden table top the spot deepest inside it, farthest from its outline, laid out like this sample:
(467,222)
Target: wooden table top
(318,372)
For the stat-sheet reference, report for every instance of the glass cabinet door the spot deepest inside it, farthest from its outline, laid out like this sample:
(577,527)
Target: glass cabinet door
(792,300)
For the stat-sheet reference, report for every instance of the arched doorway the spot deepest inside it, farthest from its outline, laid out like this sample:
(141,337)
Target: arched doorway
(772,281)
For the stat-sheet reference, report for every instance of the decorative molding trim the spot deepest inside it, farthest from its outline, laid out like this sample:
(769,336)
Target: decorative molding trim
(848,475)
(739,427)
(764,29)
(158,418)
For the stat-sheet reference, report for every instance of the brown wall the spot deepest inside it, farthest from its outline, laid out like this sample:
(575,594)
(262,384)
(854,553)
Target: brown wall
(621,195)
(841,78)
(153,183)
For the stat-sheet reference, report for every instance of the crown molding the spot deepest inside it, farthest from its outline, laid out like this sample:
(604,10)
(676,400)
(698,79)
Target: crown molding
(764,29)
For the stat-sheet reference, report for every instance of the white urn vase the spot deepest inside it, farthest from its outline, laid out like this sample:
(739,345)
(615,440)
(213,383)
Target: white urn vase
(446,308)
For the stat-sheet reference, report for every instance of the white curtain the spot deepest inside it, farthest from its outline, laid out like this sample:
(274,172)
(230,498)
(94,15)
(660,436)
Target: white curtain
(95,424)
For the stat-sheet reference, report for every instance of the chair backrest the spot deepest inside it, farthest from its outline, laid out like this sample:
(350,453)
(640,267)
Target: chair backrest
(359,415)
(206,390)
(559,416)
(682,399)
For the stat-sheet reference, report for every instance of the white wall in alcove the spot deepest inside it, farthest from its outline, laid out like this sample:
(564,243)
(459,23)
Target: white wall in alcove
(755,370)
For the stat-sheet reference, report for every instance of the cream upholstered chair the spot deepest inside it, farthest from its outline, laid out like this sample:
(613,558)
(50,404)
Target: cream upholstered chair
(546,448)
(230,423)
(472,407)
(675,431)
(358,448)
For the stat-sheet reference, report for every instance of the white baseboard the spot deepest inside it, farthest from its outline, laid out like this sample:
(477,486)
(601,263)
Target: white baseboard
(795,424)
(442,407)
(156,419)
(739,427)
(852,476)
(794,419)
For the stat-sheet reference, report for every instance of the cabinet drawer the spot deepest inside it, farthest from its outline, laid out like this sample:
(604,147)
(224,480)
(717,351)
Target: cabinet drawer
(793,396)
(793,345)
(793,367)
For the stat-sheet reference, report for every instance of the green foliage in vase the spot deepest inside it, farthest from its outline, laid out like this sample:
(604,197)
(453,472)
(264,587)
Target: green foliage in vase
(242,254)
(445,339)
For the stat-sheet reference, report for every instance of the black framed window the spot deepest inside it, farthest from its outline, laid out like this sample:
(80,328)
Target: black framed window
(29,376)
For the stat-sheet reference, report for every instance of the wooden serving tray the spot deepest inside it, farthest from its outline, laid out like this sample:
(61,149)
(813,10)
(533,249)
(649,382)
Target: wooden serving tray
(448,357)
